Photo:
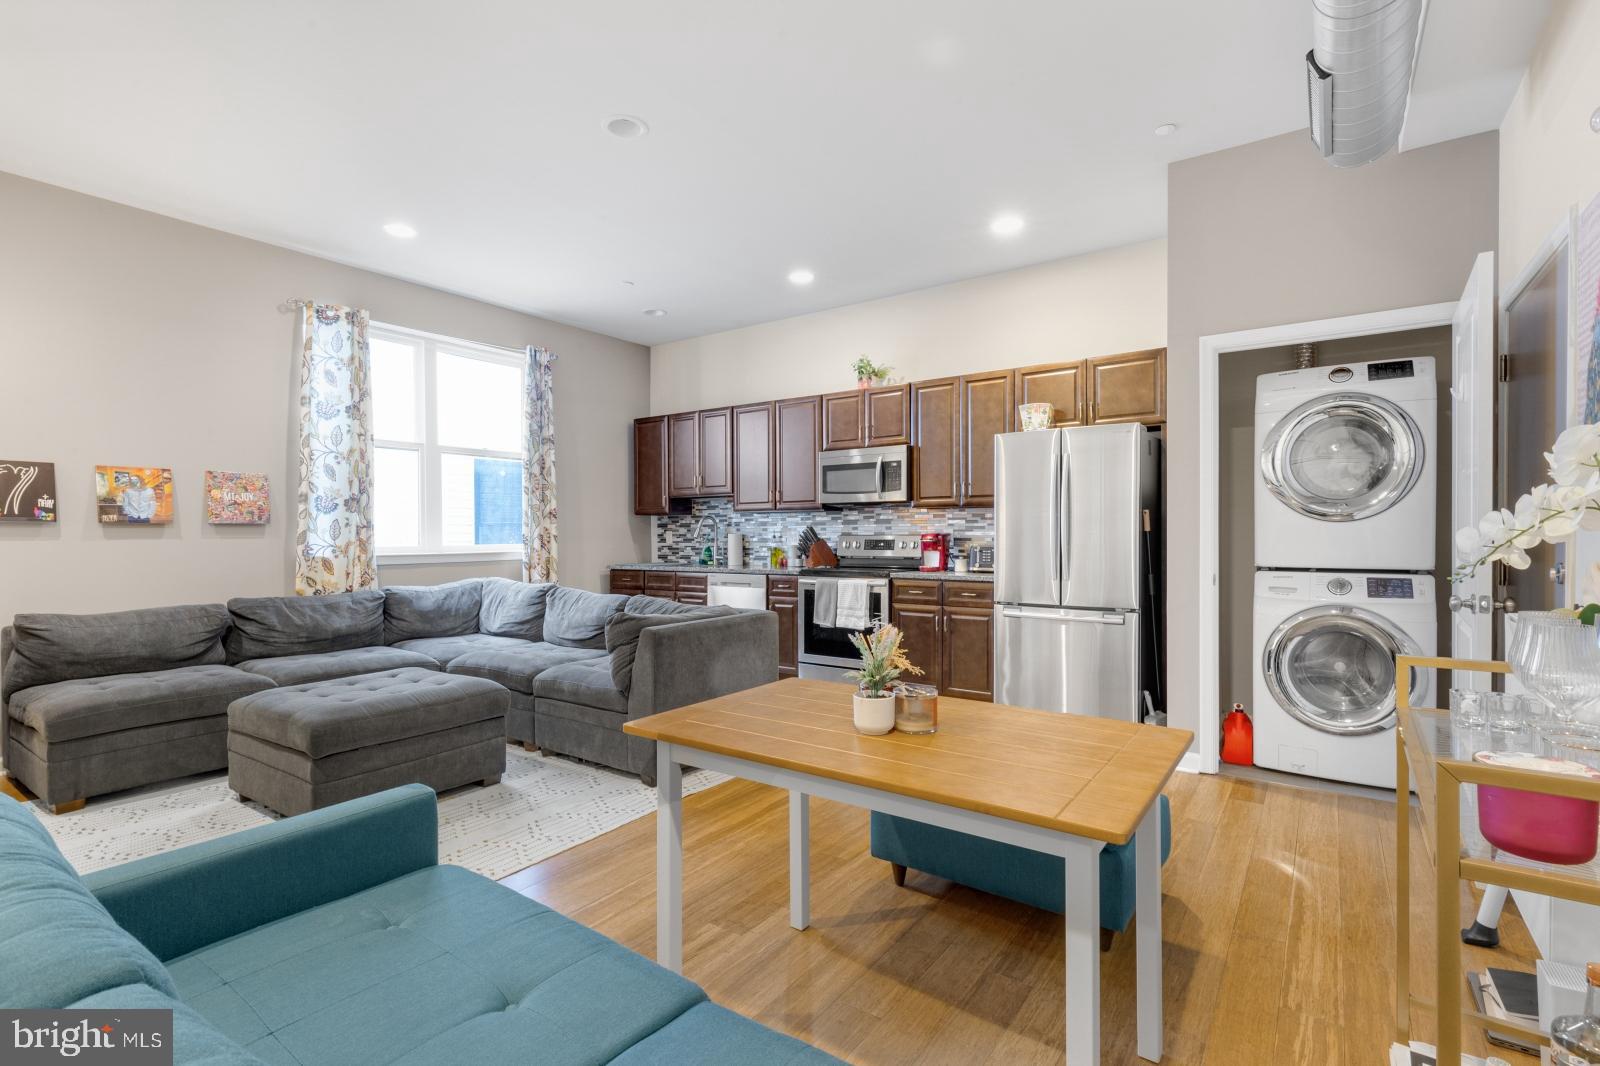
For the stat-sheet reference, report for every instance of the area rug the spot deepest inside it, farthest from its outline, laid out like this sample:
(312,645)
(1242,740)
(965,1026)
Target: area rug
(543,805)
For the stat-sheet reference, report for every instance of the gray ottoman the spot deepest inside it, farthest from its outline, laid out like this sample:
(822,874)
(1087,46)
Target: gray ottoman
(306,746)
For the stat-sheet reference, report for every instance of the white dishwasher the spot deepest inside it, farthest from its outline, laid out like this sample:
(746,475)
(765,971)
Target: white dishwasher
(747,591)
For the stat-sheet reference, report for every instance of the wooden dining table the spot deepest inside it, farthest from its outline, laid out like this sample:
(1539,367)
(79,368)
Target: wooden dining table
(1062,784)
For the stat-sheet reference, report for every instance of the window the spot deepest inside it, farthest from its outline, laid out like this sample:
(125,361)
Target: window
(447,436)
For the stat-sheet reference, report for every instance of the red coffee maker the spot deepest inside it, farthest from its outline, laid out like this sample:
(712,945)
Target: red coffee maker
(935,551)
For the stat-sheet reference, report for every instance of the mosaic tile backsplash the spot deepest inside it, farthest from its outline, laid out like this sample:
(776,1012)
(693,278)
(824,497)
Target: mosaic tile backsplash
(675,541)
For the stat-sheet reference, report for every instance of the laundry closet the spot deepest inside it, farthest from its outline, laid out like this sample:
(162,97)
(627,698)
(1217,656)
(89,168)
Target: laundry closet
(1336,550)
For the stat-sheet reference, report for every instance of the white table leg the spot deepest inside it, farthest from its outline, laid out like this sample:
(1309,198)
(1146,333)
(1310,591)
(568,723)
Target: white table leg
(799,860)
(1083,953)
(1147,932)
(669,859)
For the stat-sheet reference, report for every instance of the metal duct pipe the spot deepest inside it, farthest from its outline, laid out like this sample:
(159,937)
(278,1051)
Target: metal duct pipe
(1359,74)
(1305,356)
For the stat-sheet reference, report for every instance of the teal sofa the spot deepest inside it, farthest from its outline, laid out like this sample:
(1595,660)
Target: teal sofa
(335,937)
(1030,877)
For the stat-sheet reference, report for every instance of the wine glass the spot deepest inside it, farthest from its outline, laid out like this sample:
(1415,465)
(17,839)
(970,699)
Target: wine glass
(1557,658)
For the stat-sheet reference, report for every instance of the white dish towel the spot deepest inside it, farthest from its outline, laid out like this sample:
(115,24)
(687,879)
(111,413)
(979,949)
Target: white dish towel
(855,605)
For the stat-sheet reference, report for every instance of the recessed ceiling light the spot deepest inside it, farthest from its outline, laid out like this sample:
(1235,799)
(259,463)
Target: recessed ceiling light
(1007,225)
(654,312)
(1166,129)
(628,127)
(801,276)
(400,229)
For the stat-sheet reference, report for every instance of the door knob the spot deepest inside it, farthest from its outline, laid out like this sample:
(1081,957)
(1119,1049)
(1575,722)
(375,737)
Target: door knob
(1481,604)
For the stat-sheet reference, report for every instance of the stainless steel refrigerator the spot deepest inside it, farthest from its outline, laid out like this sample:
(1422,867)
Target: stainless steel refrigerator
(1073,628)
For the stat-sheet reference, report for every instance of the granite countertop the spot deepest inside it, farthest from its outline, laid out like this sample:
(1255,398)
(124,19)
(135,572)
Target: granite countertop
(691,568)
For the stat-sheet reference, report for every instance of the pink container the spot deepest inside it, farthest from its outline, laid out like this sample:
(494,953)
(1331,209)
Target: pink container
(1535,825)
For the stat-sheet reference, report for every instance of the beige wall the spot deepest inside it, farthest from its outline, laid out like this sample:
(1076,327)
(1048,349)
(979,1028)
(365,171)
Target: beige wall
(1549,158)
(128,337)
(1095,304)
(1267,234)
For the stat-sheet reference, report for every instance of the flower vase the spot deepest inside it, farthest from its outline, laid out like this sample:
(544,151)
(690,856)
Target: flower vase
(874,715)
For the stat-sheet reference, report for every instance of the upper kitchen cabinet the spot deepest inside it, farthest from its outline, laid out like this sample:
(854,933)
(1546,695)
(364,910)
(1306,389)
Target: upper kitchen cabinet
(986,406)
(866,418)
(1131,387)
(797,432)
(936,429)
(700,453)
(1060,384)
(650,450)
(754,481)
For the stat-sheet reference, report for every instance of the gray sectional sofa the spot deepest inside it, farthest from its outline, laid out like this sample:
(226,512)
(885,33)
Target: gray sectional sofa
(98,703)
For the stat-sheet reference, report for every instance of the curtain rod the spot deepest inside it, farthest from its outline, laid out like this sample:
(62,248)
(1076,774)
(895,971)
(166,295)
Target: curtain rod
(299,305)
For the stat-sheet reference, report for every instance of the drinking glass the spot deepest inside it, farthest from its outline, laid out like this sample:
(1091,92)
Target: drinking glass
(1467,710)
(1506,711)
(1556,657)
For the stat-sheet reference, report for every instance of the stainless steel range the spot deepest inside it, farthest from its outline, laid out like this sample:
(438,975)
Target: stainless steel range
(825,650)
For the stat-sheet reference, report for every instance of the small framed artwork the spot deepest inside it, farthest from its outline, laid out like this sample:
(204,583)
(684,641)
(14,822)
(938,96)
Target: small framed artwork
(27,491)
(234,499)
(133,495)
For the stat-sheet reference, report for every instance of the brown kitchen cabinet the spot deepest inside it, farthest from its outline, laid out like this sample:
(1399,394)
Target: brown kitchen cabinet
(949,633)
(627,582)
(968,638)
(936,429)
(986,406)
(867,418)
(689,588)
(683,448)
(798,428)
(1060,384)
(700,453)
(754,483)
(783,600)
(1130,387)
(651,494)
(919,636)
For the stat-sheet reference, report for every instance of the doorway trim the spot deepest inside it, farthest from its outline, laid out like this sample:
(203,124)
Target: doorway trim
(1207,619)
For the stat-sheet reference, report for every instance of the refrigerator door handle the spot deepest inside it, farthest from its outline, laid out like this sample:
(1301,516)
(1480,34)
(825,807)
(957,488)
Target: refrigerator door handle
(1105,618)
(1057,474)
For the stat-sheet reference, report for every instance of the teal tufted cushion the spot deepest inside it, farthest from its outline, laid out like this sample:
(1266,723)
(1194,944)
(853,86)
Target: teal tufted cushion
(195,1041)
(709,1035)
(57,943)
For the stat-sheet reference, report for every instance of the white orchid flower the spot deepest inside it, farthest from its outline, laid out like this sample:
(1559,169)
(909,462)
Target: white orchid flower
(1575,456)
(1546,513)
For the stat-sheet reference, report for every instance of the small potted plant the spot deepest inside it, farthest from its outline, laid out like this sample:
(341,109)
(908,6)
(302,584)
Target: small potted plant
(869,373)
(882,661)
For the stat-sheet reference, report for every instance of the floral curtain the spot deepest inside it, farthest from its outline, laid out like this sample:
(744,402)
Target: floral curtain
(539,468)
(333,542)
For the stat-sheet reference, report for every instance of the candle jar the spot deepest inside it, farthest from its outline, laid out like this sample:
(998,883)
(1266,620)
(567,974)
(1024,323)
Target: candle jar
(916,709)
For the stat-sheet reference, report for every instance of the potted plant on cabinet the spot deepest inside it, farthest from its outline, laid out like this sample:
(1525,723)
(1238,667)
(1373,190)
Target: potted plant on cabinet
(869,373)
(883,660)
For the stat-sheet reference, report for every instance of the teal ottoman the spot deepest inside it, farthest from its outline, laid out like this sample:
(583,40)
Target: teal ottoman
(1030,877)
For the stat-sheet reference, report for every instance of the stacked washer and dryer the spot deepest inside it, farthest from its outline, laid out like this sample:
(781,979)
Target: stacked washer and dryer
(1345,508)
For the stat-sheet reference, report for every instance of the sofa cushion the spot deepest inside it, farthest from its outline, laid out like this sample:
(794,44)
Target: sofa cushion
(587,683)
(516,668)
(657,605)
(346,713)
(91,706)
(57,943)
(513,608)
(710,1035)
(46,648)
(412,611)
(622,635)
(575,618)
(304,669)
(438,966)
(195,1041)
(444,649)
(265,627)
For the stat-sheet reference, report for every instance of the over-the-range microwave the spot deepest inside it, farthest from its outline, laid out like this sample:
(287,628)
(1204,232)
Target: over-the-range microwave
(865,475)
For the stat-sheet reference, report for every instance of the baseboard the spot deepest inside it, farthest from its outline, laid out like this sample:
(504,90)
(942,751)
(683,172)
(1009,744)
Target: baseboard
(1191,763)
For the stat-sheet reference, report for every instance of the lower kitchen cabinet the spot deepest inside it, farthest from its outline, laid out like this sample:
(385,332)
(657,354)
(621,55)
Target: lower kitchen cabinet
(968,653)
(783,600)
(627,582)
(948,631)
(919,636)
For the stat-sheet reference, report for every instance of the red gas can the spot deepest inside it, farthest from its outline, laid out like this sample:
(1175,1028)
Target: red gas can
(1238,738)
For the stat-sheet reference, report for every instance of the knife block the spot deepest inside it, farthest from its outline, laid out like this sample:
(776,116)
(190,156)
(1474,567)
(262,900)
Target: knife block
(821,555)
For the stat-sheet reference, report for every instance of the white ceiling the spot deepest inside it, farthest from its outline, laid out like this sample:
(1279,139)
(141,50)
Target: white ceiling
(870,141)
(1470,61)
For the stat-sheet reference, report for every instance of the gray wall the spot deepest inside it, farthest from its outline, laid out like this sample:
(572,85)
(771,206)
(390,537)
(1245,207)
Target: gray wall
(129,337)
(1267,234)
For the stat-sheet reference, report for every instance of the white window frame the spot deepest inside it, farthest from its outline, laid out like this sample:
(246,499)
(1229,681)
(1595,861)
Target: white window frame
(430,492)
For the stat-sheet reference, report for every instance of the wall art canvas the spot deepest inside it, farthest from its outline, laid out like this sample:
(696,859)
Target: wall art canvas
(234,499)
(135,495)
(27,491)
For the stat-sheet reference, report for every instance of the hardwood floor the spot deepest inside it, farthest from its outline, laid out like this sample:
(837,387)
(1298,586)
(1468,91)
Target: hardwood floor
(1279,920)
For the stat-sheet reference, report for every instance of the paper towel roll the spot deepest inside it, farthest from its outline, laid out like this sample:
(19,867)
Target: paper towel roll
(735,549)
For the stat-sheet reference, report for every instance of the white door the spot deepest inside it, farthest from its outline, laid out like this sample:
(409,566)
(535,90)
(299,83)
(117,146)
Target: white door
(1472,388)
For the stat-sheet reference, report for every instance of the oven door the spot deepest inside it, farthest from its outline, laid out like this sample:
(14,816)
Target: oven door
(865,475)
(829,646)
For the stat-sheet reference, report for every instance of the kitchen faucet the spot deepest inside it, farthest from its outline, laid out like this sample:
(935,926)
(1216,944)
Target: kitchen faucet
(695,536)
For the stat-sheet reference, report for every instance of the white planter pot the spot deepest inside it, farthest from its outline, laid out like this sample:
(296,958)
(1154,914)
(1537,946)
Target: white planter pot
(874,714)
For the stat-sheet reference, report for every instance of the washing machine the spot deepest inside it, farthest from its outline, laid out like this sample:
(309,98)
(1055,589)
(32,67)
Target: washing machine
(1346,466)
(1325,644)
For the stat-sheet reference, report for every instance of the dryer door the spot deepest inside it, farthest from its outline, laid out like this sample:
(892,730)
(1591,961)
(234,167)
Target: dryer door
(1333,669)
(1343,457)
